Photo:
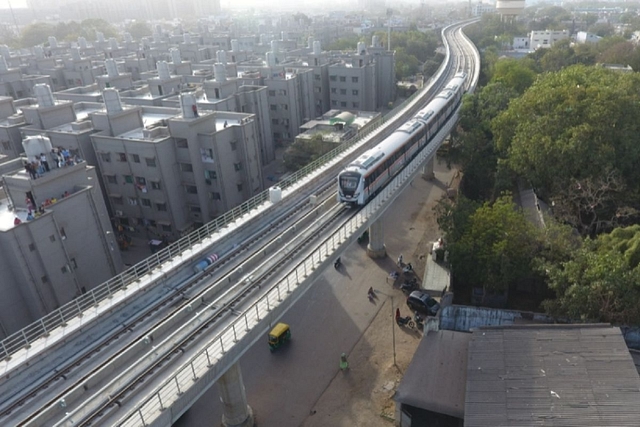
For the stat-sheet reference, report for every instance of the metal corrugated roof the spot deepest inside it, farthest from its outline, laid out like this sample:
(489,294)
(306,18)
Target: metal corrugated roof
(551,375)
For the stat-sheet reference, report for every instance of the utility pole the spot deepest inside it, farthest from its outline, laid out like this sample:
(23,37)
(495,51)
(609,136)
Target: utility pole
(389,13)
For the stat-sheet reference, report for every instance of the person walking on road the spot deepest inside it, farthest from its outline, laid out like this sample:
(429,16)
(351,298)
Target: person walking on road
(344,365)
(400,260)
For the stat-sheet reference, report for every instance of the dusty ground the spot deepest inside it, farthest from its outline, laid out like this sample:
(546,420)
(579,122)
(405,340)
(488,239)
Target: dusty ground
(363,396)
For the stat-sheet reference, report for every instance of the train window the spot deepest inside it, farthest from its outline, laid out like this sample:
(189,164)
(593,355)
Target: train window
(348,182)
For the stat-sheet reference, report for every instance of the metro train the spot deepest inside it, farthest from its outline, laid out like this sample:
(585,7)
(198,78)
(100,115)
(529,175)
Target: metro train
(366,175)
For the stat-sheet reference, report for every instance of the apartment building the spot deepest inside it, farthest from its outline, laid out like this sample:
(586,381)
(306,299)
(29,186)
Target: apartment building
(168,171)
(56,239)
(546,38)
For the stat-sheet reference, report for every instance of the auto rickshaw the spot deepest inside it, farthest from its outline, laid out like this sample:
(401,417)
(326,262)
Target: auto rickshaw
(279,335)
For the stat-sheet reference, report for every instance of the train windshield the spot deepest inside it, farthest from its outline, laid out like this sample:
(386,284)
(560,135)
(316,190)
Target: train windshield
(349,182)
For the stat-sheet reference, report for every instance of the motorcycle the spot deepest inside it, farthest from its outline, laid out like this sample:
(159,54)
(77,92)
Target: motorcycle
(405,321)
(419,320)
(409,286)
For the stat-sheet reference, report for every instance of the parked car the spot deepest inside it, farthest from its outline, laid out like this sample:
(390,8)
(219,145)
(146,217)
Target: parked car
(423,303)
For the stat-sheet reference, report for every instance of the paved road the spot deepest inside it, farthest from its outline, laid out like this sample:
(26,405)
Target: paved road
(329,319)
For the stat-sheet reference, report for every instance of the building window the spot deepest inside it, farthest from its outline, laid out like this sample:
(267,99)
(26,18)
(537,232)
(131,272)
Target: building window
(234,145)
(334,90)
(272,93)
(354,80)
(354,92)
(274,121)
(356,105)
(105,157)
(282,92)
(286,135)
(273,107)
(285,107)
(151,162)
(191,189)
(145,202)
(332,78)
(32,247)
(276,135)
(112,179)
(140,180)
(162,207)
(239,187)
(155,185)
(195,209)
(117,200)
(132,201)
(237,166)
(186,167)
(343,91)
(334,102)
(166,227)
(343,104)
(44,279)
(52,238)
(122,157)
(316,76)
(136,158)
(182,143)
(6,146)
(73,263)
(128,179)
(343,79)
(64,269)
(317,89)
(210,174)
(215,196)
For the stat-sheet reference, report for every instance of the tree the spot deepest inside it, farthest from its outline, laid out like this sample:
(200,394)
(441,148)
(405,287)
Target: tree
(35,34)
(496,247)
(515,74)
(576,126)
(601,282)
(305,151)
(139,29)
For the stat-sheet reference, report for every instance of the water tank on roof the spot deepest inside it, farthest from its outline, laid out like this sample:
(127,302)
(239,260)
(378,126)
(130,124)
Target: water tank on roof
(75,54)
(220,72)
(4,51)
(375,41)
(235,45)
(163,70)
(38,51)
(53,42)
(271,59)
(36,145)
(221,55)
(44,95)
(188,105)
(112,68)
(175,56)
(361,49)
(112,101)
(113,43)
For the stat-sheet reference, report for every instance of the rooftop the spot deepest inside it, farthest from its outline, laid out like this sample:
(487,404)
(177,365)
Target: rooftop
(551,375)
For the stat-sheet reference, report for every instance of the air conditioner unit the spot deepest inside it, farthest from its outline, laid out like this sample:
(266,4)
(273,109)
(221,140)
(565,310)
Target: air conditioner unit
(119,213)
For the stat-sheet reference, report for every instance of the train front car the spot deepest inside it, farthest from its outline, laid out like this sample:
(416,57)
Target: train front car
(350,186)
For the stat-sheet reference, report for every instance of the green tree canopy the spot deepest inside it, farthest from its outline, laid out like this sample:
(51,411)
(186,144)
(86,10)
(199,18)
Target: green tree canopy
(139,29)
(305,151)
(515,74)
(602,280)
(496,246)
(35,34)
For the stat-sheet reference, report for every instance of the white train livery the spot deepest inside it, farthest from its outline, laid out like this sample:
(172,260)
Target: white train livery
(365,176)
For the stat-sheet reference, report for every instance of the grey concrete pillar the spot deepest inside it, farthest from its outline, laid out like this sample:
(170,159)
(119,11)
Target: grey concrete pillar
(376,248)
(237,413)
(427,169)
